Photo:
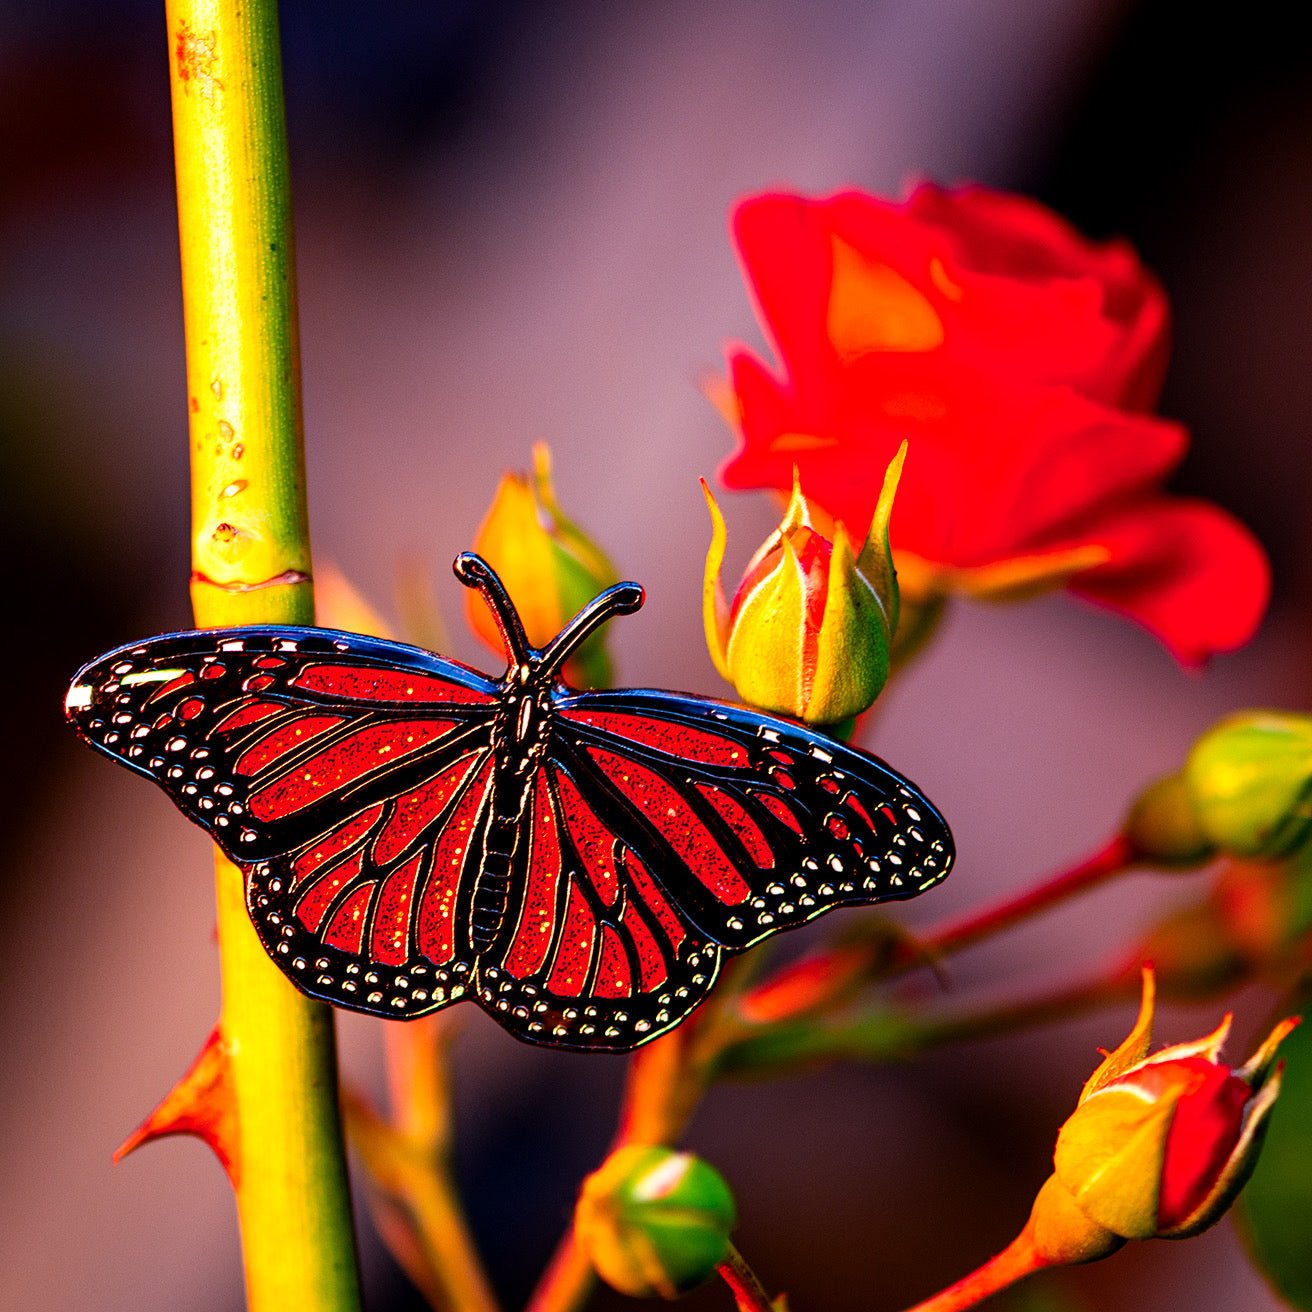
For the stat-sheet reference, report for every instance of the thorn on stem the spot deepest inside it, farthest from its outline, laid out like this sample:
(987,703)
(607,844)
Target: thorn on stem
(201,1104)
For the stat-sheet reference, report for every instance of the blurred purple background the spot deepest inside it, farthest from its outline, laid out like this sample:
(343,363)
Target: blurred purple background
(511,226)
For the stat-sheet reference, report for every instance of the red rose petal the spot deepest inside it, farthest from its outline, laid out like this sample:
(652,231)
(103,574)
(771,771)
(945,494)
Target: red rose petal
(787,263)
(1016,239)
(1014,286)
(995,468)
(1186,570)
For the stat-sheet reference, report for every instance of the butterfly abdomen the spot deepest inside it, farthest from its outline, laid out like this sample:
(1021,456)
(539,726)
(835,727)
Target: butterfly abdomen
(490,897)
(492,887)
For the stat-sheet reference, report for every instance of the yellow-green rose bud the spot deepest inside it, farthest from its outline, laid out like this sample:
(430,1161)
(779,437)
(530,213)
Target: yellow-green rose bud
(1159,1145)
(1250,781)
(550,567)
(810,627)
(654,1221)
(1163,824)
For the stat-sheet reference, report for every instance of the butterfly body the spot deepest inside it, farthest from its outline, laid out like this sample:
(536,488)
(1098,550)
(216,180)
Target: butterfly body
(414,833)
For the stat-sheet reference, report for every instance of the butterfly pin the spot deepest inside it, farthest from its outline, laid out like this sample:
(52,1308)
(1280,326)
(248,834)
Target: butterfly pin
(414,833)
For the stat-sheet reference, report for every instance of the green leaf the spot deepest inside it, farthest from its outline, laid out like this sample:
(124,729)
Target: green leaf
(1275,1210)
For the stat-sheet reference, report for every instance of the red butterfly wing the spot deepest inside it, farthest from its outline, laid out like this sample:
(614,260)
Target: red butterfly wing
(750,824)
(350,775)
(356,779)
(591,953)
(663,830)
(270,737)
(375,914)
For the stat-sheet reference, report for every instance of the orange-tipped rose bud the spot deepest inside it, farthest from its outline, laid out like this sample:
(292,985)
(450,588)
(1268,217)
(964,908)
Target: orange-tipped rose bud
(1159,1146)
(550,567)
(809,629)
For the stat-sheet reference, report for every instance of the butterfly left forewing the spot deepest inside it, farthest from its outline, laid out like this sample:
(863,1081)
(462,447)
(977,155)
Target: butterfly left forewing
(750,823)
(266,736)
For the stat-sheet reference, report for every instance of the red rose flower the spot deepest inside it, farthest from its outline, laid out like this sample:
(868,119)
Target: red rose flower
(1021,362)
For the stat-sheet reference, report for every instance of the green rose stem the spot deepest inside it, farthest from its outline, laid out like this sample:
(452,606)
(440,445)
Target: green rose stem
(263,1092)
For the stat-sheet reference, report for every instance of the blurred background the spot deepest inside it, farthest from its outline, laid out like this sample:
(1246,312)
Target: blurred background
(511,226)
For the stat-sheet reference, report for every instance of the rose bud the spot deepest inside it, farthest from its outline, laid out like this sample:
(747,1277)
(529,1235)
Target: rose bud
(1250,780)
(810,627)
(1163,825)
(654,1221)
(550,567)
(1159,1146)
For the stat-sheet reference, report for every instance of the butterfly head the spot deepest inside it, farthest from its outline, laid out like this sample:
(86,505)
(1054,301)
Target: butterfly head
(533,666)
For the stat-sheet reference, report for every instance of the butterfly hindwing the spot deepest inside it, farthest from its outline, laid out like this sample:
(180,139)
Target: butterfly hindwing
(375,914)
(752,823)
(591,953)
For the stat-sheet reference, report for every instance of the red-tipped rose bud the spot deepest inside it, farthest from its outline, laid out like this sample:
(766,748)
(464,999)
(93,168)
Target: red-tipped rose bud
(810,627)
(1159,1146)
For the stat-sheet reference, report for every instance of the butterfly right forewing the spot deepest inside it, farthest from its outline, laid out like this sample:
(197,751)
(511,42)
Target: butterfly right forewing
(754,823)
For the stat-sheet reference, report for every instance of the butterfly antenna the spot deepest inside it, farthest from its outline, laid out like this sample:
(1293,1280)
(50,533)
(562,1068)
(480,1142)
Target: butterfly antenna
(622,599)
(474,572)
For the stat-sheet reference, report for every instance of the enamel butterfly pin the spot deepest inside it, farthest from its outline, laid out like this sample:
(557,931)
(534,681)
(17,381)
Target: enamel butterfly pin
(414,833)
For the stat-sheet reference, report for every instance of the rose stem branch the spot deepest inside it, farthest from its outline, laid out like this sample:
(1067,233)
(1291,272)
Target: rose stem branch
(251,564)
(783,1047)
(833,974)
(1113,858)
(1018,1260)
(666,1080)
(661,1093)
(1057,1004)
(748,1292)
(419,1091)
